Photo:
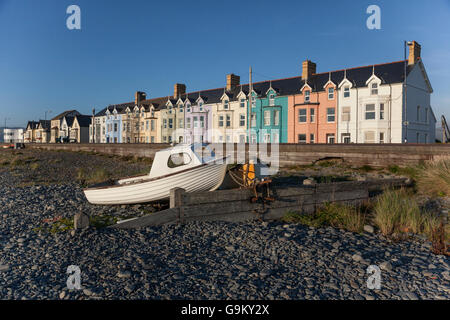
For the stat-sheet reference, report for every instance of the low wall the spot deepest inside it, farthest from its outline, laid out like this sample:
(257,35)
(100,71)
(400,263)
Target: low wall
(377,155)
(236,205)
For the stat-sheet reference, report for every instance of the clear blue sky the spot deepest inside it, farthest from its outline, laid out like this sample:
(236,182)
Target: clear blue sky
(125,46)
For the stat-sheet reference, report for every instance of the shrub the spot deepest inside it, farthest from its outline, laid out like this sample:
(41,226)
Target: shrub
(434,178)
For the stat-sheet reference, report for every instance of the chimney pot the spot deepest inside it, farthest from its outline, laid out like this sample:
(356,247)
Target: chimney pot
(233,81)
(139,96)
(178,90)
(414,52)
(308,69)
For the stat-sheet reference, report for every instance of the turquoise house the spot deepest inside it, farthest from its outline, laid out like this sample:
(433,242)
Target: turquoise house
(268,110)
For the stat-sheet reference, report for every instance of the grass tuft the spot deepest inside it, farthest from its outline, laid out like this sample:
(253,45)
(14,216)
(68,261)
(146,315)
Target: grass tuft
(335,214)
(434,178)
(397,211)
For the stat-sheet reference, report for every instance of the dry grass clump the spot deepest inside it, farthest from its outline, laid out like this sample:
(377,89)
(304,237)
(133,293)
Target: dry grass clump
(434,178)
(86,178)
(397,211)
(331,214)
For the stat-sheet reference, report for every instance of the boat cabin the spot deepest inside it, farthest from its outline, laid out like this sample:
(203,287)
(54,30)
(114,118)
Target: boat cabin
(179,158)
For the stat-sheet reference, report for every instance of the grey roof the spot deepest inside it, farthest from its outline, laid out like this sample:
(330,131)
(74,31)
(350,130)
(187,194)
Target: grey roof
(69,121)
(66,113)
(389,73)
(45,124)
(32,124)
(83,120)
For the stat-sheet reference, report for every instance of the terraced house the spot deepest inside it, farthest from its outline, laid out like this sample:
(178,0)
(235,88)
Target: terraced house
(30,132)
(230,113)
(268,110)
(55,124)
(79,130)
(43,131)
(312,109)
(152,120)
(387,103)
(172,116)
(97,128)
(383,103)
(197,118)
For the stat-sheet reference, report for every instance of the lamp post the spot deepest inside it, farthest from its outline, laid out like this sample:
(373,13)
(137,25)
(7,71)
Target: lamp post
(93,125)
(47,112)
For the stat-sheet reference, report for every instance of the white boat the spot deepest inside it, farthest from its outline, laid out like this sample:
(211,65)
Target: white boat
(183,166)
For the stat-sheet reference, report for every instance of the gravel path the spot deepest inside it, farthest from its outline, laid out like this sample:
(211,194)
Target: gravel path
(199,260)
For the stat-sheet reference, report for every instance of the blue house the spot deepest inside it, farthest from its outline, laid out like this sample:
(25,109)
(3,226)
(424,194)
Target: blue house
(113,124)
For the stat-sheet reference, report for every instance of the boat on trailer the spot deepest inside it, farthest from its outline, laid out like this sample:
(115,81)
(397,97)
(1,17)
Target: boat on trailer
(191,167)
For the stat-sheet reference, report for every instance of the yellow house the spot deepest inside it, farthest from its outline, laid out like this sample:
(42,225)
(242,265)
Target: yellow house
(30,133)
(42,134)
(151,121)
(79,130)
(55,124)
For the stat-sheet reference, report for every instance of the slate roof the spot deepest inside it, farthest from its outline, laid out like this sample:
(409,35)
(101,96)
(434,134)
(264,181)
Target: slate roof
(83,120)
(389,73)
(32,124)
(45,124)
(69,121)
(65,113)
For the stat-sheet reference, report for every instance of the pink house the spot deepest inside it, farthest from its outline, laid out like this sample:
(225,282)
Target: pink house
(312,113)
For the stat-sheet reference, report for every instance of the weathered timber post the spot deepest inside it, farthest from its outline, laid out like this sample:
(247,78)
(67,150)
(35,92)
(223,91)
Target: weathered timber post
(176,197)
(176,201)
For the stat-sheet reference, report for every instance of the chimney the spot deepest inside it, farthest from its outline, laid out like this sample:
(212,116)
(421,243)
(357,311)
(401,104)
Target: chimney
(233,81)
(308,69)
(178,90)
(139,96)
(414,52)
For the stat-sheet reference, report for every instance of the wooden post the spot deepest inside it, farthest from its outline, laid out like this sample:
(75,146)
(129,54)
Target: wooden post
(176,197)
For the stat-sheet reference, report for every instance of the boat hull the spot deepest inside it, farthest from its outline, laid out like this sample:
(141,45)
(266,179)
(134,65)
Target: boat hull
(206,177)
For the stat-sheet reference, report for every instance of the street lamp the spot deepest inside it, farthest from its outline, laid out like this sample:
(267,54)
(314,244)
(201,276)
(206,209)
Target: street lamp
(48,111)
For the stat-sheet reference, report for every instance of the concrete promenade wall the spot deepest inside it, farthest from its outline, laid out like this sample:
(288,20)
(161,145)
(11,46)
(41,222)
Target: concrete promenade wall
(376,155)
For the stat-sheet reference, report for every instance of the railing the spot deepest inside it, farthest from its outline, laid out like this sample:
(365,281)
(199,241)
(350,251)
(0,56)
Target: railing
(445,131)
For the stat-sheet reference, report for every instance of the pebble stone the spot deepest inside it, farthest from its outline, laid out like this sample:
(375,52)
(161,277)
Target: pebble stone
(198,260)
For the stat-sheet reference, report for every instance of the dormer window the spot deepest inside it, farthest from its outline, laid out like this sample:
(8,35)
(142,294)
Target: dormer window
(374,89)
(330,93)
(307,96)
(253,102)
(271,99)
(346,92)
(242,103)
(225,104)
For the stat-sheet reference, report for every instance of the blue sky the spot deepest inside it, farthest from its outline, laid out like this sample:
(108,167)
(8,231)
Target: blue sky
(125,46)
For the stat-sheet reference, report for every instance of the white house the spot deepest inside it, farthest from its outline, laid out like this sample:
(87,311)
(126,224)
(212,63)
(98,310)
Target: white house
(13,135)
(97,129)
(371,103)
